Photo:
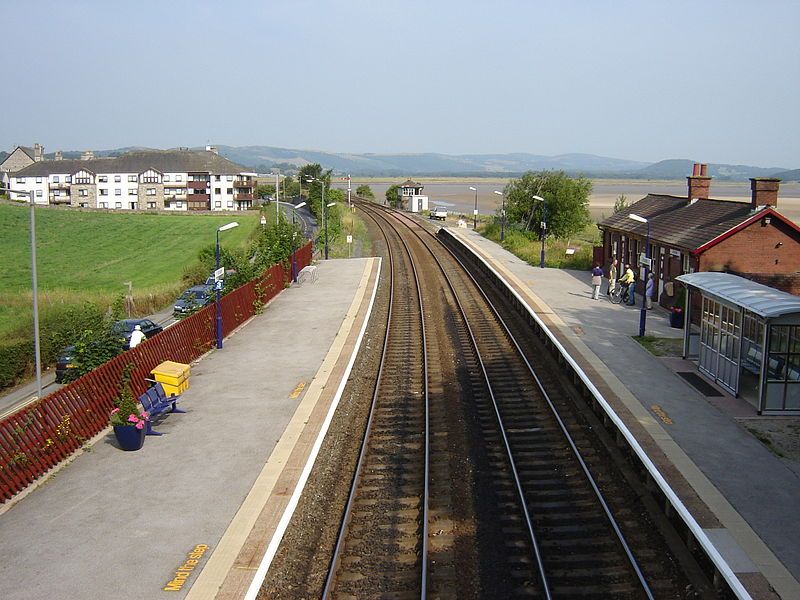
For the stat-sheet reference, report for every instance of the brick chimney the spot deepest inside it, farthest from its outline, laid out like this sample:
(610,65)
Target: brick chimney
(87,155)
(38,152)
(764,191)
(699,182)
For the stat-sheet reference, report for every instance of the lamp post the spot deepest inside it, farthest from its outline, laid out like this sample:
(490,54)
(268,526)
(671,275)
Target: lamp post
(36,345)
(325,211)
(475,210)
(543,225)
(294,246)
(502,216)
(217,286)
(643,313)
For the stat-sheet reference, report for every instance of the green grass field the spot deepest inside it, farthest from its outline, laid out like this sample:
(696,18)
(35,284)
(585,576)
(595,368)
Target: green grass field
(88,255)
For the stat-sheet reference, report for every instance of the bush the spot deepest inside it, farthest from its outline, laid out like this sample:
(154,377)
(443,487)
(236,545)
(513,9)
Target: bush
(527,246)
(16,358)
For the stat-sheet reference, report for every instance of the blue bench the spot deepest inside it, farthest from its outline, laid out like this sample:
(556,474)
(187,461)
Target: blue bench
(155,401)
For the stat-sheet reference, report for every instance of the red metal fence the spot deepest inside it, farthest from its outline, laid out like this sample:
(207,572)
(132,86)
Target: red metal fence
(39,436)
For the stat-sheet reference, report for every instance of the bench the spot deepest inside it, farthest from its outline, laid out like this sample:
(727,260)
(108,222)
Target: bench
(155,401)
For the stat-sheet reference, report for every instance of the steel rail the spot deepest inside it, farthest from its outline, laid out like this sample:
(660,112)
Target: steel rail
(599,495)
(506,443)
(330,579)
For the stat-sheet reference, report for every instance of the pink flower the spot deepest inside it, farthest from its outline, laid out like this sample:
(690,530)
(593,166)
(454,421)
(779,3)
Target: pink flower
(145,415)
(133,419)
(115,411)
(140,425)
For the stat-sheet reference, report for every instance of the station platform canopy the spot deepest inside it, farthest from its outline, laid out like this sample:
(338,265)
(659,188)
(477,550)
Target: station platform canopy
(760,299)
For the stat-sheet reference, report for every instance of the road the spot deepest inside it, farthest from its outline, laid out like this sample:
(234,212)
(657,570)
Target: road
(25,393)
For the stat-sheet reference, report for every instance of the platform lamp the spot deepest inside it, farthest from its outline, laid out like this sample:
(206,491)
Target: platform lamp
(294,246)
(643,313)
(217,286)
(543,228)
(502,216)
(475,210)
(36,345)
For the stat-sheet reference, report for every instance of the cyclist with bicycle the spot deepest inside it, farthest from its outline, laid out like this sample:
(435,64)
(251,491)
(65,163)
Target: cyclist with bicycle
(627,280)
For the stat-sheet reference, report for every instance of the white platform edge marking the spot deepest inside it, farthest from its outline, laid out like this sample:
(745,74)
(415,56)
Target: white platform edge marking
(695,528)
(269,554)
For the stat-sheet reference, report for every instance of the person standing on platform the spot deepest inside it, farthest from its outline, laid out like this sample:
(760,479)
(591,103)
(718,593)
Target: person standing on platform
(627,280)
(597,279)
(648,291)
(612,277)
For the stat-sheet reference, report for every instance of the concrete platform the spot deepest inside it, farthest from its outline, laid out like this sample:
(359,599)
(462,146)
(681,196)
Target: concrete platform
(744,497)
(197,507)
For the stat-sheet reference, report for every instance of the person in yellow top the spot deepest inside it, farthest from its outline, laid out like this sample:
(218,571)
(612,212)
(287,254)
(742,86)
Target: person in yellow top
(628,280)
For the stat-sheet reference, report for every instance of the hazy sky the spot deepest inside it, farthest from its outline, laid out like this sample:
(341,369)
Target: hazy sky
(714,81)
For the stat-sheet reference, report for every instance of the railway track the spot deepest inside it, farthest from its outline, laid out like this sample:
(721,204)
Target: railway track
(541,511)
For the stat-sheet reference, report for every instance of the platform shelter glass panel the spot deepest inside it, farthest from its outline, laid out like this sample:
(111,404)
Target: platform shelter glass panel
(783,368)
(720,335)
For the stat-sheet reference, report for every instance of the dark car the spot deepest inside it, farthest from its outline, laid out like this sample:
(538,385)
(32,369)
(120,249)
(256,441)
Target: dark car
(195,298)
(125,328)
(64,363)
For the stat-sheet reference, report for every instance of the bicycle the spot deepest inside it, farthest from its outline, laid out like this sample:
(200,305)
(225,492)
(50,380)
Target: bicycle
(618,293)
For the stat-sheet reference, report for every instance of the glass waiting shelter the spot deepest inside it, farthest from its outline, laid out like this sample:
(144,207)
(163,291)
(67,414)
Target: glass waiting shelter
(738,319)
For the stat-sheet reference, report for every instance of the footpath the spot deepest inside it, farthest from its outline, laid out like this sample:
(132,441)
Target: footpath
(197,507)
(742,495)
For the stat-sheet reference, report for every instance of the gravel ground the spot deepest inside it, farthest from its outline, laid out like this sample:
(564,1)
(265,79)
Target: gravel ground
(300,565)
(780,434)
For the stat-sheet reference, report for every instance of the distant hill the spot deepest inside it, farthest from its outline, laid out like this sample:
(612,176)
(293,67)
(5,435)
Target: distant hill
(793,175)
(679,168)
(3,155)
(263,158)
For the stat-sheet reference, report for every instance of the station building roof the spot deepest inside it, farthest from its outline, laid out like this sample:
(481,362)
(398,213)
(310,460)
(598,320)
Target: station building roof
(760,299)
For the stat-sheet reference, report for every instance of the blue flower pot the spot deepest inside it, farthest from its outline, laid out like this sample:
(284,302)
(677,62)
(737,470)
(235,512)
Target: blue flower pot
(128,437)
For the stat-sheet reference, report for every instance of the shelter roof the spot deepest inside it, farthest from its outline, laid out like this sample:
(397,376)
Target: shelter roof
(409,183)
(760,299)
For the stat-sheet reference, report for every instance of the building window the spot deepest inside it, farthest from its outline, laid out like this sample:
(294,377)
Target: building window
(104,205)
(118,192)
(102,179)
(55,178)
(178,177)
(38,193)
(103,192)
(217,190)
(179,204)
(83,192)
(230,191)
(151,205)
(83,180)
(166,177)
(68,179)
(38,180)
(230,204)
(132,178)
(20,180)
(131,192)
(216,177)
(230,177)
(118,205)
(117,178)
(151,191)
(217,204)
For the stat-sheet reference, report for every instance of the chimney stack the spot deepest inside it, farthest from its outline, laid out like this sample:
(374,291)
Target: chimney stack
(699,182)
(38,152)
(59,155)
(87,155)
(764,192)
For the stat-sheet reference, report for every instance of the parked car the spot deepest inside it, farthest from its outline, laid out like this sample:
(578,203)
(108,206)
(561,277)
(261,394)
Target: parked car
(125,328)
(64,363)
(195,298)
(439,213)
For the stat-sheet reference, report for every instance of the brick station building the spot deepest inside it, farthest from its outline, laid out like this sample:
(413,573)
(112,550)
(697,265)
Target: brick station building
(697,233)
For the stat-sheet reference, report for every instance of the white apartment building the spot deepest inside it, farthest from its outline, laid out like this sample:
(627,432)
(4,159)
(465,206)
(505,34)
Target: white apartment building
(168,180)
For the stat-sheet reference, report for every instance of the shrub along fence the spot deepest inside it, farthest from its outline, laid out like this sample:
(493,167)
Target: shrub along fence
(39,436)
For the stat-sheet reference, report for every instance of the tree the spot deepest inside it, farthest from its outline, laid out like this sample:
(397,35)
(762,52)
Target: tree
(364,191)
(393,197)
(313,189)
(567,201)
(621,203)
(264,190)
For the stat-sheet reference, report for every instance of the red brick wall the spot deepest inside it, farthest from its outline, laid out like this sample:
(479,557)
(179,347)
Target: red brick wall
(762,253)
